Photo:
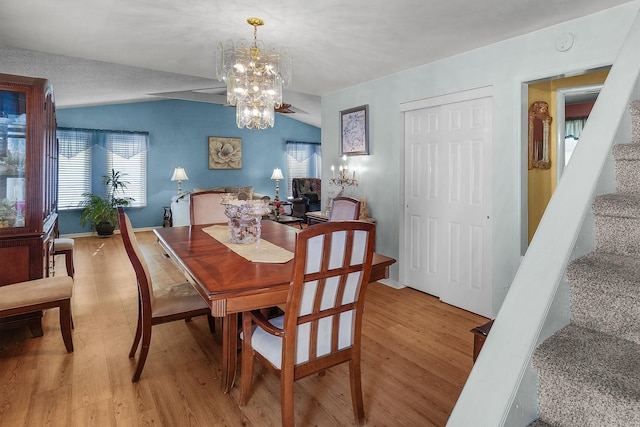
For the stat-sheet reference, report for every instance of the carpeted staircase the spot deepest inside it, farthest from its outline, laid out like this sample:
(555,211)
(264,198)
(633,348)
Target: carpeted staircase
(589,371)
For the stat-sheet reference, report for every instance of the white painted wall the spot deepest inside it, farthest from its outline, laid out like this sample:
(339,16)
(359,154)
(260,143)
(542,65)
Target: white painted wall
(504,66)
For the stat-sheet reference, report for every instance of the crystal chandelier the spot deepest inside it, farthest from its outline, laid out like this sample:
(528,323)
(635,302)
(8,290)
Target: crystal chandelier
(254,75)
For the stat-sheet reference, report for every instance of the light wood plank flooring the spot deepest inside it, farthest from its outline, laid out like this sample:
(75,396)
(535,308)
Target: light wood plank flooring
(417,354)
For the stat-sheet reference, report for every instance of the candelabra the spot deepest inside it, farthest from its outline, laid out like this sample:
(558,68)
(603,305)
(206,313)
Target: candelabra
(343,177)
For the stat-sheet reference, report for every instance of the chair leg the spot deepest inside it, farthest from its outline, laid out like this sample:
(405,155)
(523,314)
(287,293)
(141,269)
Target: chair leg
(35,326)
(144,352)
(65,324)
(136,339)
(356,391)
(286,397)
(247,360)
(68,258)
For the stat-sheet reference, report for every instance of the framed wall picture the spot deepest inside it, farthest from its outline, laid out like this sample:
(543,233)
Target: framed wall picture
(354,130)
(225,153)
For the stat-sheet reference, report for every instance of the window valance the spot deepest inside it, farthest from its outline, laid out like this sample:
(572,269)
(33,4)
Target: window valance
(302,151)
(125,144)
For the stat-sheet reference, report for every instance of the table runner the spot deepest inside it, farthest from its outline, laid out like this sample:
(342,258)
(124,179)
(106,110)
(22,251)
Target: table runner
(268,252)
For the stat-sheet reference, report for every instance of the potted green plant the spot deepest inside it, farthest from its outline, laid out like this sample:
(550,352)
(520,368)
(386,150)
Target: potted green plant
(102,211)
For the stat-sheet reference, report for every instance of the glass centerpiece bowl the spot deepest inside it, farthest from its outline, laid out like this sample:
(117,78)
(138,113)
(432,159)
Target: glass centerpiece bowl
(245,217)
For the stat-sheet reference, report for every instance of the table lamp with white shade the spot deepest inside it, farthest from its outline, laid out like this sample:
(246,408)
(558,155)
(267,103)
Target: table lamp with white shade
(179,175)
(277,175)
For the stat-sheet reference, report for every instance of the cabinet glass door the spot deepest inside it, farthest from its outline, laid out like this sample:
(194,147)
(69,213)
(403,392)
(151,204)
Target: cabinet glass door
(13,146)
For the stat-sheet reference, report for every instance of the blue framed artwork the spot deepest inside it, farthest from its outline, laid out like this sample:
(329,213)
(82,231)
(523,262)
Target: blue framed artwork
(354,131)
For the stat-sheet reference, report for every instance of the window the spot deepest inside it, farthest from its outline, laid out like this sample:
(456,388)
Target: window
(74,167)
(573,129)
(128,154)
(304,160)
(85,155)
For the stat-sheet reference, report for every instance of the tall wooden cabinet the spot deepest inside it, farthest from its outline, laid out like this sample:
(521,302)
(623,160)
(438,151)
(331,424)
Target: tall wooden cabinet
(28,177)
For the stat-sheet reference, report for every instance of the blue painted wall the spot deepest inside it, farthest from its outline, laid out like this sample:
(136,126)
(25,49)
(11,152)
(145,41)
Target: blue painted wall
(178,136)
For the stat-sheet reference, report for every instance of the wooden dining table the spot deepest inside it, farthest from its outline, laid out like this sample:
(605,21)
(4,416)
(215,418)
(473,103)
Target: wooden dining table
(231,283)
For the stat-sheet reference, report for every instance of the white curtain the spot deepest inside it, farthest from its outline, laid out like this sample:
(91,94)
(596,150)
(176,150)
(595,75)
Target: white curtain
(573,127)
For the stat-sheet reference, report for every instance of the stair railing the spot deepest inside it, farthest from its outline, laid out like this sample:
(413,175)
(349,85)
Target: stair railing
(492,390)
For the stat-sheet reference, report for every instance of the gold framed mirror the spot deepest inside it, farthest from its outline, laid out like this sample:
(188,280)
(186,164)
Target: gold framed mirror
(539,135)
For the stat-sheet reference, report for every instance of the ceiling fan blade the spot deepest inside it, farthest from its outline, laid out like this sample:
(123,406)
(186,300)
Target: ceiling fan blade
(284,109)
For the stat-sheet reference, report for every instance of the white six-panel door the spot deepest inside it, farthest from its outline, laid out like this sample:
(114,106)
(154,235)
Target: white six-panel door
(448,241)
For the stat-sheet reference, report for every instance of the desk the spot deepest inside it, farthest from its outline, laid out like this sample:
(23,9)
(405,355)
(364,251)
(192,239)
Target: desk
(231,284)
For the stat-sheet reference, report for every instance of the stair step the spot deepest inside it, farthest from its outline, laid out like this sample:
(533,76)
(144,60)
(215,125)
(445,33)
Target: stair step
(617,218)
(605,294)
(626,151)
(588,378)
(621,205)
(627,158)
(539,423)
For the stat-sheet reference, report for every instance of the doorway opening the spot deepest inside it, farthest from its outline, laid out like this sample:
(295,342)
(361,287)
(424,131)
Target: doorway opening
(573,106)
(560,93)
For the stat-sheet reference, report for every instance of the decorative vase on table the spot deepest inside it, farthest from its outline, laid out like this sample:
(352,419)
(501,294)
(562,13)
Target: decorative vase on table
(245,218)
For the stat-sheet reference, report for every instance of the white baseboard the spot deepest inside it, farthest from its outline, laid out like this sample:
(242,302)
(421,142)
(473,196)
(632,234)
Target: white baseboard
(391,283)
(89,234)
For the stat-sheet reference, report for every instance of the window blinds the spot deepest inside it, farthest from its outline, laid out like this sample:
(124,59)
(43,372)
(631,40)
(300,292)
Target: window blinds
(79,149)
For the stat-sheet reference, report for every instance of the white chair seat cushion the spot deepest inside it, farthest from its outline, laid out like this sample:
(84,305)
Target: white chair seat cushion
(36,291)
(270,346)
(62,244)
(178,298)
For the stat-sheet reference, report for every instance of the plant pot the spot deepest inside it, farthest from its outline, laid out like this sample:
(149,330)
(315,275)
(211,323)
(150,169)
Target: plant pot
(105,228)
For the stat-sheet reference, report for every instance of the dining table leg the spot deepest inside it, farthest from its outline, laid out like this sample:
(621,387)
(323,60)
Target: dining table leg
(229,350)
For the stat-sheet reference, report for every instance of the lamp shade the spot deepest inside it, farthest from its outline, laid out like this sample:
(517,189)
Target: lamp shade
(179,175)
(277,174)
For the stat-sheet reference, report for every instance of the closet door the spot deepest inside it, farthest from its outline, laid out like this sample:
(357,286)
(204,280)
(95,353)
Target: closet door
(448,227)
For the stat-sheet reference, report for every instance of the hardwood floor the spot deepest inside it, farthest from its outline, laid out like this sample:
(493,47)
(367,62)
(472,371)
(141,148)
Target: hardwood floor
(417,354)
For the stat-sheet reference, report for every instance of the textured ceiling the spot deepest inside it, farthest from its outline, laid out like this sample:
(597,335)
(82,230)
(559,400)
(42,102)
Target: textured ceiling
(108,51)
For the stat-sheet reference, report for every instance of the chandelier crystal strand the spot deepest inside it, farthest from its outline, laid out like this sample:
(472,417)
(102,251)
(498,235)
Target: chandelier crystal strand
(254,75)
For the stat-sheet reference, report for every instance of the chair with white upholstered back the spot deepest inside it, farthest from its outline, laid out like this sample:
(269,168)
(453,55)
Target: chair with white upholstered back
(322,323)
(205,208)
(344,209)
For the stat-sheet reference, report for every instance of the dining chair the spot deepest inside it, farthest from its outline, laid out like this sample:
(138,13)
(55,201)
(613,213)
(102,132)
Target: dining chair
(205,208)
(156,305)
(64,246)
(322,322)
(40,294)
(344,209)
